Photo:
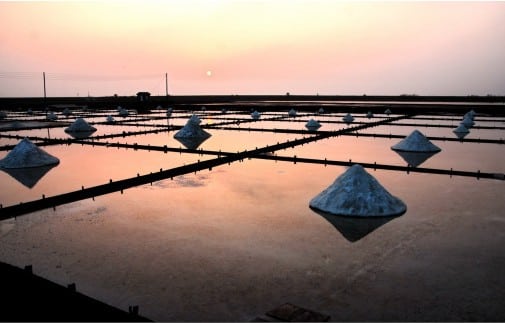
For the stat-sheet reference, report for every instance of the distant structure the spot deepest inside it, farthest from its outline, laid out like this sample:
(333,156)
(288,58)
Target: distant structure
(143,96)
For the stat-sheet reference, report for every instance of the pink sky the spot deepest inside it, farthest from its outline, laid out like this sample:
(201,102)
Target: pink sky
(252,47)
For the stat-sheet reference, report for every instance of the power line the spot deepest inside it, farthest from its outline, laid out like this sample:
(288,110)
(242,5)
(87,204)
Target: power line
(79,77)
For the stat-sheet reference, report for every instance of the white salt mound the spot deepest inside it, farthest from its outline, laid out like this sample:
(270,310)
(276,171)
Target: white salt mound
(292,113)
(195,119)
(51,116)
(416,141)
(255,115)
(110,119)
(461,129)
(27,154)
(369,114)
(468,122)
(348,118)
(312,125)
(123,112)
(192,129)
(388,111)
(357,193)
(80,125)
(321,110)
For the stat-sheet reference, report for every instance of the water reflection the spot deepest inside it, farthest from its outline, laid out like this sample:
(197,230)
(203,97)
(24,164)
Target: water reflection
(461,135)
(191,142)
(415,159)
(81,134)
(353,228)
(28,176)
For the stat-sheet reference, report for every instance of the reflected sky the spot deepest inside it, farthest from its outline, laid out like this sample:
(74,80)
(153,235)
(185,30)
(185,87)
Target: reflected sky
(230,242)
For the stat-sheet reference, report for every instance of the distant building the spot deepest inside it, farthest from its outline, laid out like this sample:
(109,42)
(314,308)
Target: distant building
(143,96)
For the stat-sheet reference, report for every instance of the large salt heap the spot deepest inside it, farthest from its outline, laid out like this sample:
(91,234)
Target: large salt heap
(357,193)
(26,154)
(416,142)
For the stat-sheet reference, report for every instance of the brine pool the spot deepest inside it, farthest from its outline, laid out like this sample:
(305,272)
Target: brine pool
(231,243)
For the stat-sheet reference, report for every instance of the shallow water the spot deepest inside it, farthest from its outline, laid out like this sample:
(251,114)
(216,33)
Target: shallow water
(234,242)
(231,243)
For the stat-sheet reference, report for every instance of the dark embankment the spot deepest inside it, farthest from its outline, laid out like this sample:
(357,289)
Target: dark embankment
(401,104)
(29,298)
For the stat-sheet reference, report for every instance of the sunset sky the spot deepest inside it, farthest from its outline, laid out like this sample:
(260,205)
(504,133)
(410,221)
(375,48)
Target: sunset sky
(252,47)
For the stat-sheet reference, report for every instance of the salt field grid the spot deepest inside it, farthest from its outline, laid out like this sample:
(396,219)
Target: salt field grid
(220,228)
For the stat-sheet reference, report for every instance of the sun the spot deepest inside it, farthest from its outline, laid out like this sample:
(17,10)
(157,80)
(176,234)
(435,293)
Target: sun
(209,73)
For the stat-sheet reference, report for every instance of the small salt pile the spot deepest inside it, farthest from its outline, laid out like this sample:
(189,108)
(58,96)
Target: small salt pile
(80,125)
(348,118)
(52,116)
(255,115)
(369,114)
(292,112)
(192,129)
(312,125)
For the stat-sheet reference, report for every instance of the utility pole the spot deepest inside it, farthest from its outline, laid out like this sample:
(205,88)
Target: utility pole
(44,78)
(166,84)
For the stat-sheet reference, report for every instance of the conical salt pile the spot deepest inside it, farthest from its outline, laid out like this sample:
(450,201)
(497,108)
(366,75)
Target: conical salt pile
(357,193)
(292,112)
(192,129)
(51,116)
(67,112)
(321,110)
(110,119)
(468,122)
(80,125)
(470,114)
(123,112)
(312,125)
(27,154)
(461,129)
(369,114)
(388,111)
(255,115)
(416,141)
(348,118)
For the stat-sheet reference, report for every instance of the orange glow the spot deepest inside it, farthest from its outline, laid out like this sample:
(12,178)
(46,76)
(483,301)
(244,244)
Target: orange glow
(258,46)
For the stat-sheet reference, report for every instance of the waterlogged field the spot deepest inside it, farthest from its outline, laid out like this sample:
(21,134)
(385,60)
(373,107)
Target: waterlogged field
(232,241)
